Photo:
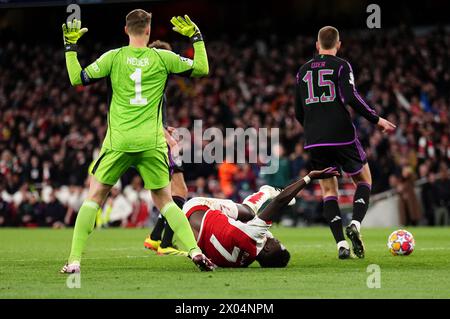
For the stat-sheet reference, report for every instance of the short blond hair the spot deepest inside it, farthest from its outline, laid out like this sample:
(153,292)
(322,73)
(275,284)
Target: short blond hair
(328,37)
(137,21)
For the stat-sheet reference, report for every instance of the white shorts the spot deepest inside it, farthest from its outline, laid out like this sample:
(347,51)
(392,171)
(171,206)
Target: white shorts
(226,206)
(256,229)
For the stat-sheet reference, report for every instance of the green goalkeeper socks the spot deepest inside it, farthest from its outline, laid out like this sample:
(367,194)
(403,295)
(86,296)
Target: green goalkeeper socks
(86,220)
(84,225)
(181,227)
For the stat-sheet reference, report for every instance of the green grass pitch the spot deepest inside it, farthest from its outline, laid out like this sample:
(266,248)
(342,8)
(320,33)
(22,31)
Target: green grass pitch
(116,265)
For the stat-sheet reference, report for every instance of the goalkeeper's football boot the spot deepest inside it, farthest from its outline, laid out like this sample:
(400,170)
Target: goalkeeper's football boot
(355,236)
(73,268)
(203,263)
(170,251)
(344,253)
(151,244)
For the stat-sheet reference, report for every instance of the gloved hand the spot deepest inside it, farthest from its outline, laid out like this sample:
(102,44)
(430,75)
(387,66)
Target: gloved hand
(72,32)
(186,27)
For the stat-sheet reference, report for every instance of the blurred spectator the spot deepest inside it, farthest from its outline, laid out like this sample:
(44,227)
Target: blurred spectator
(50,132)
(201,188)
(443,187)
(283,176)
(23,194)
(72,197)
(408,204)
(306,209)
(4,195)
(54,212)
(33,172)
(246,180)
(140,200)
(429,194)
(117,208)
(30,212)
(298,159)
(226,173)
(6,213)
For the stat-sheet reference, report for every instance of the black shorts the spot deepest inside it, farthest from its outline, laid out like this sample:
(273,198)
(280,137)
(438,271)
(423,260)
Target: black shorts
(350,157)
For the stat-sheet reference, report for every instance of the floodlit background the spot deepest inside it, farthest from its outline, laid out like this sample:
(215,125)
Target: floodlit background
(50,132)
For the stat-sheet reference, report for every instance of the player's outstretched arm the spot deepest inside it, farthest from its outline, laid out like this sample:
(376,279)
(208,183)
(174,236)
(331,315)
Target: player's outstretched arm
(96,70)
(385,125)
(186,27)
(282,200)
(351,96)
(72,32)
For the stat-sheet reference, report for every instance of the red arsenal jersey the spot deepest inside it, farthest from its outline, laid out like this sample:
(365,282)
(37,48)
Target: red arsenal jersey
(231,243)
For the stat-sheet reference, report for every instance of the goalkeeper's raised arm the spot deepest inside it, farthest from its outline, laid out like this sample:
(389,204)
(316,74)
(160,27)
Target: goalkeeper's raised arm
(183,66)
(72,32)
(135,136)
(174,63)
(101,68)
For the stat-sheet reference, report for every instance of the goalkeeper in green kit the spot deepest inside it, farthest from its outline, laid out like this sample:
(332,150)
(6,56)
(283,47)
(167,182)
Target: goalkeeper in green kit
(137,77)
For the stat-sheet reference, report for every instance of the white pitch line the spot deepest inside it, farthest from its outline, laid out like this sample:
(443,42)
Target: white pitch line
(148,256)
(89,258)
(117,249)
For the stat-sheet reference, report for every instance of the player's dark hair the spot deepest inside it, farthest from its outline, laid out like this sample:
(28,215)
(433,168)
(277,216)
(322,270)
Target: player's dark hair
(273,255)
(160,45)
(137,20)
(328,37)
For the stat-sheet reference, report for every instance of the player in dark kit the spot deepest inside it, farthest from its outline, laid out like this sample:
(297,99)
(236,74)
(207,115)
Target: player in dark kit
(325,85)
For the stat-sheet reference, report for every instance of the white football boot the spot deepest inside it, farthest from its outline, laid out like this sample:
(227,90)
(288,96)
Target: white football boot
(274,192)
(265,193)
(73,268)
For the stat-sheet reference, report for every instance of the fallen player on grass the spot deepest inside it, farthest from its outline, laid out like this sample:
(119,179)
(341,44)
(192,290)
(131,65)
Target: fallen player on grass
(235,235)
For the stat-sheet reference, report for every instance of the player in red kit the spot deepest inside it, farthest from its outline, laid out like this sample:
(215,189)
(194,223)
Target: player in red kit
(235,235)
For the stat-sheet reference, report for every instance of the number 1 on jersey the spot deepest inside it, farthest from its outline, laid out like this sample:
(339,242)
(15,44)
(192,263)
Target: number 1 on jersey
(136,76)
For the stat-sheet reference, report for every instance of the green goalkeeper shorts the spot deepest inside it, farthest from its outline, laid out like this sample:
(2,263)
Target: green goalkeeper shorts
(152,165)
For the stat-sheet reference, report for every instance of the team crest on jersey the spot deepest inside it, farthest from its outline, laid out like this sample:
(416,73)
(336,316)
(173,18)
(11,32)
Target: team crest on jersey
(189,61)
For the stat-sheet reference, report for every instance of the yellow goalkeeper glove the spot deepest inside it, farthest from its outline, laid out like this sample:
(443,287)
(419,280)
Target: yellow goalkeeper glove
(72,32)
(186,27)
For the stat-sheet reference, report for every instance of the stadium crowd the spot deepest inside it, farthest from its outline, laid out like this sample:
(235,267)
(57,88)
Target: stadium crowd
(50,132)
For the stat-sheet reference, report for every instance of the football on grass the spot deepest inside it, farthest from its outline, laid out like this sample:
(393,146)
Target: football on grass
(401,242)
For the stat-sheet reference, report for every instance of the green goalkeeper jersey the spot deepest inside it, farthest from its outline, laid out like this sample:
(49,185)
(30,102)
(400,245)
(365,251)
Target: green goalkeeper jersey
(137,79)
